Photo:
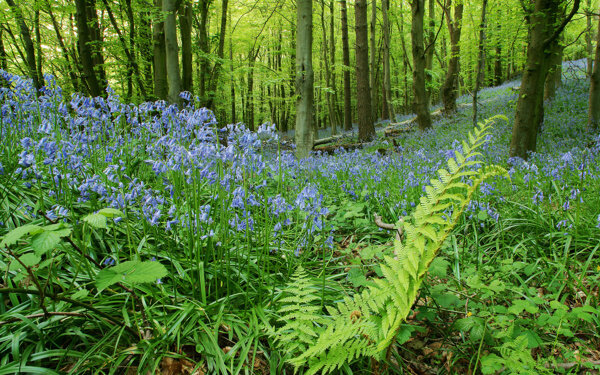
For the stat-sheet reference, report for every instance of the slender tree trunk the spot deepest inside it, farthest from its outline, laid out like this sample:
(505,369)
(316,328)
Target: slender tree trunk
(332,55)
(172,48)
(544,32)
(450,86)
(304,80)
(214,79)
(347,83)
(328,76)
(232,80)
(594,101)
(204,48)
(185,24)
(430,40)
(498,61)
(38,44)
(130,70)
(63,48)
(28,44)
(589,35)
(480,61)
(373,61)
(366,128)
(387,78)
(250,92)
(420,101)
(160,55)
(3,60)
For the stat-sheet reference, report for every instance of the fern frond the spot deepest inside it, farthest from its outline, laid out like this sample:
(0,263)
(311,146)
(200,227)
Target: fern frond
(367,323)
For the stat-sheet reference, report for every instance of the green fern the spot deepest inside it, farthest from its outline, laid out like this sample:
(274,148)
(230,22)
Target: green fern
(367,323)
(300,315)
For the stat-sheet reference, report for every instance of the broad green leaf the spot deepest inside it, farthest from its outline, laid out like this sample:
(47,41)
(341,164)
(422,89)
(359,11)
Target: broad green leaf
(29,260)
(439,267)
(110,212)
(16,234)
(97,221)
(48,240)
(130,272)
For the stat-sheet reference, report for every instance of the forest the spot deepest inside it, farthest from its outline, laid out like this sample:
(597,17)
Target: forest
(299,187)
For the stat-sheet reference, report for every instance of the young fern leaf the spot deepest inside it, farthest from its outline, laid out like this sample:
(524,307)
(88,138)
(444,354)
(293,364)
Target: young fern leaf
(367,323)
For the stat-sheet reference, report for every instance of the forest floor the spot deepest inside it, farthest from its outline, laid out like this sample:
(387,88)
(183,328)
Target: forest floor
(134,242)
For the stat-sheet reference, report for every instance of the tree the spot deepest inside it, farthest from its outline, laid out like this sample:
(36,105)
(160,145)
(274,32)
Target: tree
(159,61)
(480,60)
(34,72)
(388,108)
(90,50)
(304,80)
(594,101)
(186,15)
(420,100)
(366,127)
(545,29)
(450,85)
(173,77)
(347,83)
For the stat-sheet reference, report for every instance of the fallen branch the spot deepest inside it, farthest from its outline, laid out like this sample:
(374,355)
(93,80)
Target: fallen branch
(379,222)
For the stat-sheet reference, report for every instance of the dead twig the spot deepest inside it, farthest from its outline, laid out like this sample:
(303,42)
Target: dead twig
(379,222)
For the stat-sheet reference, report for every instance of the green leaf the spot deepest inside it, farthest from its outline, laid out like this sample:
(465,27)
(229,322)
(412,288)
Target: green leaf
(47,241)
(357,277)
(491,364)
(110,212)
(438,267)
(29,260)
(533,339)
(97,221)
(16,234)
(130,272)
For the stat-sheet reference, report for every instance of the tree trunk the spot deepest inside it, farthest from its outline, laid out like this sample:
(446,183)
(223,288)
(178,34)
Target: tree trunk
(366,128)
(430,40)
(145,46)
(347,83)
(28,44)
(387,78)
(88,48)
(544,32)
(480,61)
(498,61)
(332,55)
(204,48)
(3,60)
(420,100)
(214,79)
(304,80)
(38,45)
(63,48)
(594,101)
(172,48)
(589,35)
(232,80)
(185,25)
(328,76)
(373,61)
(130,70)
(554,77)
(160,55)
(450,86)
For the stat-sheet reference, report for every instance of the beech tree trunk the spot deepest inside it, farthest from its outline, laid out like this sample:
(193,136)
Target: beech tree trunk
(450,86)
(480,60)
(554,77)
(373,61)
(172,48)
(160,55)
(145,46)
(203,44)
(89,49)
(430,46)
(594,101)
(63,48)
(186,16)
(346,55)
(304,80)
(545,29)
(28,44)
(589,35)
(420,100)
(387,78)
(328,76)
(366,128)
(216,70)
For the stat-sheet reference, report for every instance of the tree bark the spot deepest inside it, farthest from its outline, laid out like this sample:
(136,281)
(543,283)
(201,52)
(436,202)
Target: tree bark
(216,70)
(498,60)
(89,48)
(145,46)
(387,78)
(594,101)
(544,31)
(28,44)
(373,61)
(346,55)
(450,86)
(588,38)
(172,48)
(63,48)
(185,23)
(160,55)
(554,76)
(420,100)
(328,76)
(203,44)
(430,41)
(366,128)
(304,80)
(480,60)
